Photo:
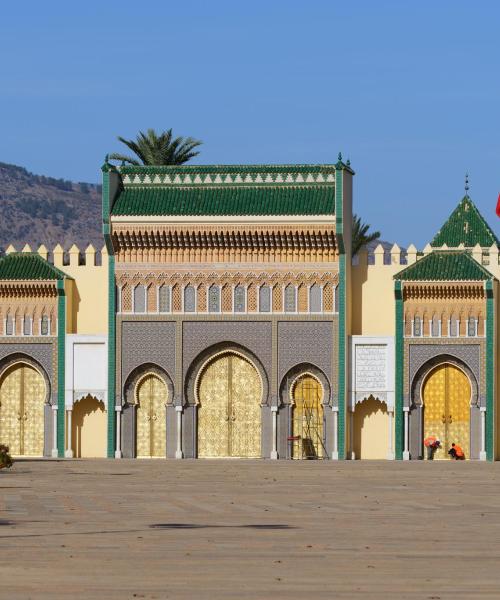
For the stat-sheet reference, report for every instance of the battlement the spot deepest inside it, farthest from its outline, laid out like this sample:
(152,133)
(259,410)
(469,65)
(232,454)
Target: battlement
(88,301)
(395,256)
(72,257)
(372,288)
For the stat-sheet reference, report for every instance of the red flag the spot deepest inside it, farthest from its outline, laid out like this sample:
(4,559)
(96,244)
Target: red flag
(498,205)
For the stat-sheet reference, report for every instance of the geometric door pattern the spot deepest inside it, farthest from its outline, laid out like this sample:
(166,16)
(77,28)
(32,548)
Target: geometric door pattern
(307,419)
(446,400)
(22,400)
(229,410)
(151,418)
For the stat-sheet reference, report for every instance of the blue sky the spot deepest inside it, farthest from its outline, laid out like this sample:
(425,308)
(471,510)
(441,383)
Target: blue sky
(409,91)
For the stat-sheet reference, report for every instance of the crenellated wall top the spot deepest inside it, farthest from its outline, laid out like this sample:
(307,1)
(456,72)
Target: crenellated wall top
(395,256)
(72,257)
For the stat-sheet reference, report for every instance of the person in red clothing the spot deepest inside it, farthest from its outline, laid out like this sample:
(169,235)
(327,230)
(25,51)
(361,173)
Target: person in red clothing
(456,452)
(432,444)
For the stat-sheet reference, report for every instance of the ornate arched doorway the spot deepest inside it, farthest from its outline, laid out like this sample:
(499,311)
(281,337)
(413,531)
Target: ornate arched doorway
(446,400)
(151,420)
(229,393)
(307,418)
(22,398)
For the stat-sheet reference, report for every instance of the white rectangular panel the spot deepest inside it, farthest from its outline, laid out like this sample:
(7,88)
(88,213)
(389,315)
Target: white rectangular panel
(90,367)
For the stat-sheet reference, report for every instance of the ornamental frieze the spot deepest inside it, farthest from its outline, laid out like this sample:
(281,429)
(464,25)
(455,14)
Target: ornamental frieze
(197,278)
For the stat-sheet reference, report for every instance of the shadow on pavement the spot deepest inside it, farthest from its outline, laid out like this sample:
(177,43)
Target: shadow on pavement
(201,526)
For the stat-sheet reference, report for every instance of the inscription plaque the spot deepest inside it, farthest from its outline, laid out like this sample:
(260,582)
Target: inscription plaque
(371,367)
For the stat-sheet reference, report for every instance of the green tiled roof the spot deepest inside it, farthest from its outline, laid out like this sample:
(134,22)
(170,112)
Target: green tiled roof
(225,190)
(445,265)
(465,226)
(28,266)
(218,201)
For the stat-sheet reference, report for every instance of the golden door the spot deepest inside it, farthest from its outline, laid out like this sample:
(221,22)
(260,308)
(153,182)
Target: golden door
(22,400)
(151,418)
(307,419)
(229,415)
(446,397)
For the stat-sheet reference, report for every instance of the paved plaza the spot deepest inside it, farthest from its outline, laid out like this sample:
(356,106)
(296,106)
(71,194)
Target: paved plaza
(249,529)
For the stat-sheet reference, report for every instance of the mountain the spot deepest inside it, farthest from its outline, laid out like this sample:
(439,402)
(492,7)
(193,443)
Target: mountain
(35,209)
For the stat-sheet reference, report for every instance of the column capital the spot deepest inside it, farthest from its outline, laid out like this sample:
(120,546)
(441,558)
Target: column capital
(179,409)
(118,408)
(482,409)
(335,409)
(274,409)
(54,407)
(406,409)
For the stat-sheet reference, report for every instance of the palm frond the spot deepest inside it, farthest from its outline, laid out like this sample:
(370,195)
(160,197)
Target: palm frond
(154,148)
(360,235)
(124,158)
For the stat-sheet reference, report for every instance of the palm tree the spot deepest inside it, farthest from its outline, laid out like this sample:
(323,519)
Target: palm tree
(158,149)
(360,235)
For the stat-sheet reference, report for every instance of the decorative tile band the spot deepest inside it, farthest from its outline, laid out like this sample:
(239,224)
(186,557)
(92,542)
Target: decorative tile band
(228,179)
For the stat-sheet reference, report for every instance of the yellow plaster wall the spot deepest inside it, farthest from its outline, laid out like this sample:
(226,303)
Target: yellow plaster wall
(371,430)
(88,305)
(89,432)
(372,295)
(87,295)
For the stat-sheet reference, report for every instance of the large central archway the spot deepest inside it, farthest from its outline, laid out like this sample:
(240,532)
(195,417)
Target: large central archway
(446,399)
(22,399)
(229,394)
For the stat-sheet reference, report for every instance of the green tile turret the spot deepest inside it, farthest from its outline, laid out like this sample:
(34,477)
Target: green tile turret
(465,226)
(445,265)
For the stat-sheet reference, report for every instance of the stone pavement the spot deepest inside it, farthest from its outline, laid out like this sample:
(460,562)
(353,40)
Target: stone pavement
(249,529)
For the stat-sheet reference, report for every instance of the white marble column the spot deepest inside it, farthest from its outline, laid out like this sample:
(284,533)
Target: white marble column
(352,454)
(335,453)
(390,450)
(482,453)
(178,452)
(69,451)
(118,448)
(274,451)
(55,453)
(406,449)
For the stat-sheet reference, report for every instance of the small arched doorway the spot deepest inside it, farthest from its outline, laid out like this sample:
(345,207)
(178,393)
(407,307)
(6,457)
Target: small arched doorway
(371,430)
(446,394)
(22,399)
(89,428)
(229,394)
(307,418)
(151,418)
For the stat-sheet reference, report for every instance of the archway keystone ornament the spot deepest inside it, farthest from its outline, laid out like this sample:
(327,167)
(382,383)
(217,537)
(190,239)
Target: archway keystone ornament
(229,394)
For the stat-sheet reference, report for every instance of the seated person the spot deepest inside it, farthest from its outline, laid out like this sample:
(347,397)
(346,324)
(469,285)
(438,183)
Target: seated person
(456,452)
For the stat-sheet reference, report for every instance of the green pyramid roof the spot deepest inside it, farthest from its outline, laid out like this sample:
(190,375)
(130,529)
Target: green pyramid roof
(445,265)
(465,226)
(28,266)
